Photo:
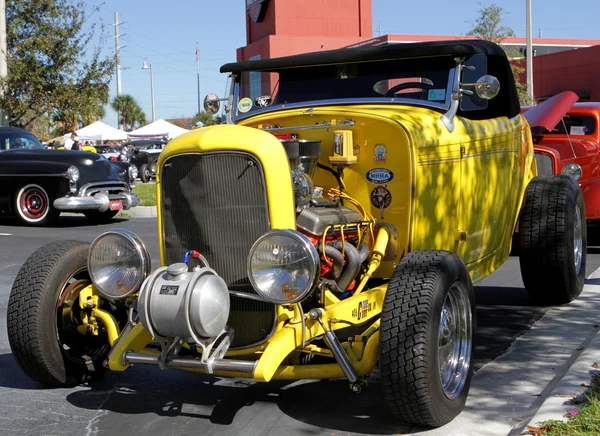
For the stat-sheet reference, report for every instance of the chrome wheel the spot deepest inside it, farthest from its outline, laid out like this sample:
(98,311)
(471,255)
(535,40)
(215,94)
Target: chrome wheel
(577,239)
(455,340)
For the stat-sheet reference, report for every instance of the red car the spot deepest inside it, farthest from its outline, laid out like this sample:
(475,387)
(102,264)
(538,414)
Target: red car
(566,138)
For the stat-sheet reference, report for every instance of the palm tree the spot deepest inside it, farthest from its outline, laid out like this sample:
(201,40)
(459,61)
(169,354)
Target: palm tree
(130,112)
(138,118)
(205,118)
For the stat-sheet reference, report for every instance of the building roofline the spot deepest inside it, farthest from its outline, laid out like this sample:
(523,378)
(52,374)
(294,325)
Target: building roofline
(540,42)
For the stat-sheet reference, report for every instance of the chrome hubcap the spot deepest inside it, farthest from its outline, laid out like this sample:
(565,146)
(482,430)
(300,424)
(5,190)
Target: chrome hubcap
(34,203)
(455,340)
(577,239)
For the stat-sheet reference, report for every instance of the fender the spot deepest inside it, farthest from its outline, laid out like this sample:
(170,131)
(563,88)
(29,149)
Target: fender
(591,198)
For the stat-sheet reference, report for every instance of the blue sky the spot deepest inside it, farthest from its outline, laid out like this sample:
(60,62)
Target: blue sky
(166,32)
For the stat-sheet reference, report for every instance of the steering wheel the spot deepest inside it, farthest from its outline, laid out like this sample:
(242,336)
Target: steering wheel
(406,85)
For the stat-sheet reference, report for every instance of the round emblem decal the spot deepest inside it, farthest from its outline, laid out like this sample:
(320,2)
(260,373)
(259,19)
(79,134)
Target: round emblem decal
(244,105)
(380,151)
(381,198)
(379,176)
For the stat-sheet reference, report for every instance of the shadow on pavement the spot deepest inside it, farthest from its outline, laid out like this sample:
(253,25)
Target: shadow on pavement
(326,404)
(503,314)
(62,221)
(148,390)
(12,377)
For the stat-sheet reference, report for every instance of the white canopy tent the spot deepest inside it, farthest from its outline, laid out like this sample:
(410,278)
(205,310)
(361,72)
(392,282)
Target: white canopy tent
(158,129)
(99,131)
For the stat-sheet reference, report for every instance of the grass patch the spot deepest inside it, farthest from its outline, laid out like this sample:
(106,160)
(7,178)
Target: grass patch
(147,194)
(582,421)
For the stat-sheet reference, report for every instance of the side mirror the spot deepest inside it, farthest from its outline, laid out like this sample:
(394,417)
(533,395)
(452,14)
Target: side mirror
(212,104)
(487,87)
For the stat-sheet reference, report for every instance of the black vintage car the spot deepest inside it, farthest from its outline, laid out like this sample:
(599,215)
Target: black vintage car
(144,154)
(38,184)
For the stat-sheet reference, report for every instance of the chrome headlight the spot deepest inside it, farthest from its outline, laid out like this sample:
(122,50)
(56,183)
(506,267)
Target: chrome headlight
(73,174)
(573,170)
(118,263)
(133,172)
(283,266)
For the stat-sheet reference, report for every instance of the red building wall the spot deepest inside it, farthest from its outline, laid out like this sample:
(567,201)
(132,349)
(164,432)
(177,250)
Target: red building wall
(301,26)
(573,70)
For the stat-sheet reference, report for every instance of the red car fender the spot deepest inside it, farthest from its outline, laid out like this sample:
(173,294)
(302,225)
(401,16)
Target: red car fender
(591,197)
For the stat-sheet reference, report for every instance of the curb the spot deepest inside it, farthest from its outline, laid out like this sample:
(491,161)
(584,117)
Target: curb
(140,212)
(573,380)
(569,394)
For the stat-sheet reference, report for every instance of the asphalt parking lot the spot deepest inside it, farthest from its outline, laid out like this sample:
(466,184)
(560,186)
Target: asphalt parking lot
(146,399)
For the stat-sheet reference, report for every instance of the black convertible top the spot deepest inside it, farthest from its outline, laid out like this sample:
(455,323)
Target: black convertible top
(390,51)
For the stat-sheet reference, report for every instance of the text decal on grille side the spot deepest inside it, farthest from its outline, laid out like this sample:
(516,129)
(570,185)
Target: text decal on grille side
(169,289)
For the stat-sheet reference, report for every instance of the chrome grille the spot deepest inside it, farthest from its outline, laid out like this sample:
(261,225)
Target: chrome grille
(544,164)
(216,203)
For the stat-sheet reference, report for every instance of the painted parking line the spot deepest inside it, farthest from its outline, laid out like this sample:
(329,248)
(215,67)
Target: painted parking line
(5,234)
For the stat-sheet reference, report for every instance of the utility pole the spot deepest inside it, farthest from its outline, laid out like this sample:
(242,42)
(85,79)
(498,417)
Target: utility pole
(198,72)
(118,63)
(3,55)
(529,52)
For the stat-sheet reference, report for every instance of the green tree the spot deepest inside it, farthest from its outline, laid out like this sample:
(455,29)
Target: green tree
(489,26)
(50,69)
(206,119)
(130,112)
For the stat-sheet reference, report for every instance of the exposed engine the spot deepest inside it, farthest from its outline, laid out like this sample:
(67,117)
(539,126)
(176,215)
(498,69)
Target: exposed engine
(337,231)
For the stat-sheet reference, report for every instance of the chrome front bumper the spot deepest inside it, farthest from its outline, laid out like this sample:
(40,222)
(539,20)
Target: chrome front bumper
(99,202)
(97,196)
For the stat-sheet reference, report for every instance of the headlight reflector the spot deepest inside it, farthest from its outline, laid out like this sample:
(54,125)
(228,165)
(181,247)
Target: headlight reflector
(133,172)
(118,263)
(283,266)
(573,170)
(73,174)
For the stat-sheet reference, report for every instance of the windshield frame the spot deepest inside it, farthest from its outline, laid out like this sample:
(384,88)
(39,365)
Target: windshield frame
(236,116)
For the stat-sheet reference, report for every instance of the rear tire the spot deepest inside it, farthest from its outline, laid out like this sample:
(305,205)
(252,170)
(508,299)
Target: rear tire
(43,314)
(427,328)
(145,173)
(553,240)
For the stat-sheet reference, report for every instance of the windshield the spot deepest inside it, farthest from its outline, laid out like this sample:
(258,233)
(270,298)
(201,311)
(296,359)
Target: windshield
(422,81)
(19,140)
(575,125)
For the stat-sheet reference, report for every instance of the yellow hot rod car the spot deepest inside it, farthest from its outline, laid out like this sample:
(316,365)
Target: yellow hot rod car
(336,223)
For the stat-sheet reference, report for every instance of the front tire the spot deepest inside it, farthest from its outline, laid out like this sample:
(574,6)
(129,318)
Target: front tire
(97,217)
(43,315)
(553,239)
(427,328)
(33,206)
